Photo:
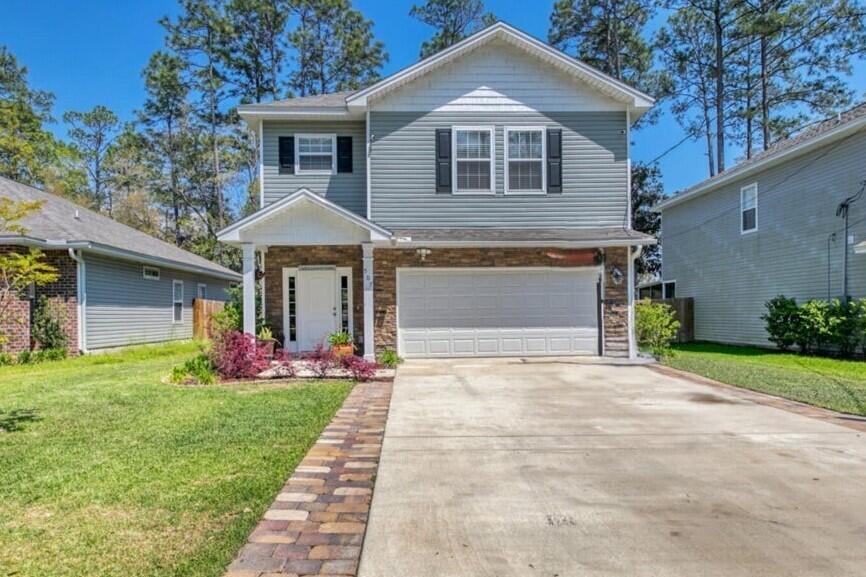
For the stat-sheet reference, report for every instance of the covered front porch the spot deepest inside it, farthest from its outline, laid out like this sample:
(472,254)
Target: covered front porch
(314,263)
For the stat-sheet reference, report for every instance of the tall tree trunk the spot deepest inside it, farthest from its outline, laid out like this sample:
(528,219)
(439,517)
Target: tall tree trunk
(172,171)
(218,196)
(720,86)
(765,96)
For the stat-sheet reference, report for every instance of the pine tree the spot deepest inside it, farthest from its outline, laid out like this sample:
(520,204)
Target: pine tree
(334,48)
(608,35)
(255,53)
(92,133)
(647,191)
(453,21)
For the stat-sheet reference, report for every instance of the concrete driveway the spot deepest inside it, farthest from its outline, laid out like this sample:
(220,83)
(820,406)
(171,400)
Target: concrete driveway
(557,469)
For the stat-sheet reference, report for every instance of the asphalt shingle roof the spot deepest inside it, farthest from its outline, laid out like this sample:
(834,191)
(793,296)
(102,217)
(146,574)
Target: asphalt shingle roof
(331,100)
(57,221)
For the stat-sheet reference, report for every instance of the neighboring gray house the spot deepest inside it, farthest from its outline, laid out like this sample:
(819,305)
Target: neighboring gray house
(473,204)
(768,226)
(117,286)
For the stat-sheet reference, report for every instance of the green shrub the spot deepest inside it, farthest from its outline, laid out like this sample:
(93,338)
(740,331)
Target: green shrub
(49,355)
(47,329)
(25,358)
(197,370)
(6,359)
(813,332)
(656,326)
(843,324)
(339,338)
(782,319)
(389,358)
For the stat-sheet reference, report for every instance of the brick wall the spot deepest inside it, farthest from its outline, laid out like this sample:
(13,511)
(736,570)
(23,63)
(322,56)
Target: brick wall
(615,303)
(280,257)
(63,297)
(386,262)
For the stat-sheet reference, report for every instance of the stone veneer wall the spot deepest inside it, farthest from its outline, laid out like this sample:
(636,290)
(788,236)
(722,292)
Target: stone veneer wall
(280,257)
(615,303)
(63,296)
(386,262)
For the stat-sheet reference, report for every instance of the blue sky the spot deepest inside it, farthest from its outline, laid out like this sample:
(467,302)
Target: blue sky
(92,52)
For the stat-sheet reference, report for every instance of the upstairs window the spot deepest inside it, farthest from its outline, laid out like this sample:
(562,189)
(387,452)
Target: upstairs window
(749,208)
(316,153)
(524,167)
(473,158)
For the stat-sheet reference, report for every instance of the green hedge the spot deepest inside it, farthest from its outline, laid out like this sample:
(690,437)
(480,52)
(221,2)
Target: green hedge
(817,326)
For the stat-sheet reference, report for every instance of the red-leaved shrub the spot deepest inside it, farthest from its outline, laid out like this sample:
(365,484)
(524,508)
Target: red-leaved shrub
(235,355)
(321,360)
(285,363)
(360,368)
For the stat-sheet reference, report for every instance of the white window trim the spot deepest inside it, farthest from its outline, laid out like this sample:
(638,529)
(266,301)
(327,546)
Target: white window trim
(174,301)
(456,190)
(298,136)
(290,344)
(664,288)
(543,130)
(198,288)
(743,190)
(144,270)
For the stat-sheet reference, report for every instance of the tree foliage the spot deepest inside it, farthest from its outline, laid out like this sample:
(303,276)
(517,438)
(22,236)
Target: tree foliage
(647,191)
(453,20)
(92,133)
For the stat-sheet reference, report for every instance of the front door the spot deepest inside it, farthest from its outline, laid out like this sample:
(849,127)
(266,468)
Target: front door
(317,306)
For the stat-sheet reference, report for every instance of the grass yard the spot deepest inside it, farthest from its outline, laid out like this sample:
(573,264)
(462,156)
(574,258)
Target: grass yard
(105,470)
(834,384)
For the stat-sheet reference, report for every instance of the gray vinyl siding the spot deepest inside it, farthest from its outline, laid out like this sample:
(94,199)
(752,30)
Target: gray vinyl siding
(731,275)
(349,190)
(594,172)
(122,308)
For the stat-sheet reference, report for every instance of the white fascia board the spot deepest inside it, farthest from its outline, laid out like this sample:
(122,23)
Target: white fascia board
(779,157)
(637,100)
(232,233)
(410,243)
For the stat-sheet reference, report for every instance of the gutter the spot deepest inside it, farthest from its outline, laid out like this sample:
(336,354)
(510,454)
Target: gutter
(632,340)
(81,297)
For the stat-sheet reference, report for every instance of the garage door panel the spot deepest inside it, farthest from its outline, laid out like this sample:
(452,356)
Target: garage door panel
(453,312)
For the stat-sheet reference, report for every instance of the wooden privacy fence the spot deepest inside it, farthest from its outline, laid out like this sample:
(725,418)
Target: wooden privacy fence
(203,311)
(684,309)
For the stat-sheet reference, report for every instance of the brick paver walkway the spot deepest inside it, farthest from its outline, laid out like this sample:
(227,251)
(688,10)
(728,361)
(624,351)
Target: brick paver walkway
(316,524)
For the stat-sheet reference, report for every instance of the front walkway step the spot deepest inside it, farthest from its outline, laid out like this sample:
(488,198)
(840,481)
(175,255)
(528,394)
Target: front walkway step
(316,524)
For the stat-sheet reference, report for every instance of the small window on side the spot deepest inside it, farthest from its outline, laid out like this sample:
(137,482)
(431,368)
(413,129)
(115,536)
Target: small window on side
(749,208)
(177,300)
(202,291)
(150,273)
(670,290)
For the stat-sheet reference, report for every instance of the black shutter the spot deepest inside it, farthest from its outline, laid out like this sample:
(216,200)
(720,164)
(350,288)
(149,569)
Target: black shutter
(554,160)
(344,154)
(443,160)
(287,155)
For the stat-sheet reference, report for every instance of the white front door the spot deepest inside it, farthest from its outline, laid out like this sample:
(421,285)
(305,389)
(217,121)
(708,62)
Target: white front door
(317,305)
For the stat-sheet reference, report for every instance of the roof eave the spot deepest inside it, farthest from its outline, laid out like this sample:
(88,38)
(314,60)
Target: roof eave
(589,243)
(773,159)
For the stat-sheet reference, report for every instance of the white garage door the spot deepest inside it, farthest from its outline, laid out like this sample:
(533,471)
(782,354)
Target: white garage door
(497,312)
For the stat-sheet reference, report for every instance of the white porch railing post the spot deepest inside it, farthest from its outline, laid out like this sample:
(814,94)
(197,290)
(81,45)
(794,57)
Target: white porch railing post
(369,339)
(249,275)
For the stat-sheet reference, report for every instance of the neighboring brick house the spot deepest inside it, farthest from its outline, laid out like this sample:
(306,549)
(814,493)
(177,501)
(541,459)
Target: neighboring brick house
(116,286)
(474,204)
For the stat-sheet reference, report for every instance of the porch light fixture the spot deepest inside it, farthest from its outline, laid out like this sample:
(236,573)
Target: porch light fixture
(616,275)
(423,253)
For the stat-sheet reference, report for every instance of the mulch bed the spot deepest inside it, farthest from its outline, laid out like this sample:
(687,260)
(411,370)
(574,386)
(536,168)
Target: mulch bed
(316,524)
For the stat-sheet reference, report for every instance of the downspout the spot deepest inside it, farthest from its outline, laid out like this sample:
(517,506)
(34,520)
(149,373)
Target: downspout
(81,295)
(632,341)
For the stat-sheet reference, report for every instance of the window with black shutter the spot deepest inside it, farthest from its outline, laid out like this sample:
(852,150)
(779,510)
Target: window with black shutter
(554,160)
(443,160)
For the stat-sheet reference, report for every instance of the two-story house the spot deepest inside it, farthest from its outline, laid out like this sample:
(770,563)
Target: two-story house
(473,204)
(769,226)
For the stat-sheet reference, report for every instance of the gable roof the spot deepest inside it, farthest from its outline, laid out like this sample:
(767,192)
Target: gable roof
(354,103)
(62,224)
(231,233)
(814,136)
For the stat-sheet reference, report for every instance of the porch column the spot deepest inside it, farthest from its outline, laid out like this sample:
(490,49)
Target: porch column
(369,339)
(249,274)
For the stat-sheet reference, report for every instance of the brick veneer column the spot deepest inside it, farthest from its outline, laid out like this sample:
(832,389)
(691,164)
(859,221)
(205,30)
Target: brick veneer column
(386,261)
(280,257)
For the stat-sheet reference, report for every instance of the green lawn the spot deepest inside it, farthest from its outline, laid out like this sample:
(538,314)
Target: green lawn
(835,384)
(105,470)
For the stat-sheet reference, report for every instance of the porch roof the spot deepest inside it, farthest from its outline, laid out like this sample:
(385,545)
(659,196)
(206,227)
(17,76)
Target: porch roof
(303,217)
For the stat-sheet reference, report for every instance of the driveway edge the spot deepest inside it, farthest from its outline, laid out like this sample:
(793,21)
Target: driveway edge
(842,419)
(316,524)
